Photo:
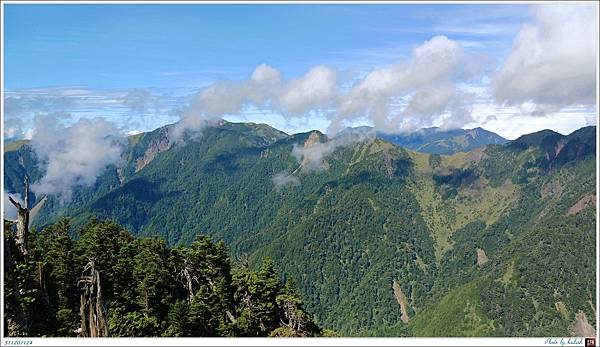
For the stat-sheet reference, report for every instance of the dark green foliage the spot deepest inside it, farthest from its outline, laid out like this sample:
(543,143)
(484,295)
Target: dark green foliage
(144,287)
(255,295)
(295,320)
(435,160)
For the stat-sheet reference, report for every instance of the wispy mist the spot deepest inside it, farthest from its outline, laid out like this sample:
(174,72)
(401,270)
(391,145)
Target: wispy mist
(282,179)
(73,155)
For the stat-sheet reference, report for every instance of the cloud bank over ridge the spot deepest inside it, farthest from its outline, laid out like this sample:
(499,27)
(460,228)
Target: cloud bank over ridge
(428,85)
(552,63)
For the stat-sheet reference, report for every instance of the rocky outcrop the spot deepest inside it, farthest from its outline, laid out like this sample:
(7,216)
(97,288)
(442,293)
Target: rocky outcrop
(311,140)
(584,202)
(120,175)
(401,299)
(481,257)
(151,153)
(559,146)
(582,328)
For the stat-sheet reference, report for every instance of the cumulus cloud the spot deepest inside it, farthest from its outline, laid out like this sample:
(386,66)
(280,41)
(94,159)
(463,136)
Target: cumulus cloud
(282,179)
(315,90)
(73,155)
(266,75)
(265,89)
(427,85)
(552,63)
(430,101)
(427,82)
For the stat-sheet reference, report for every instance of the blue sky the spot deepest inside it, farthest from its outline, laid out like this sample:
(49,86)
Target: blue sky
(86,59)
(134,46)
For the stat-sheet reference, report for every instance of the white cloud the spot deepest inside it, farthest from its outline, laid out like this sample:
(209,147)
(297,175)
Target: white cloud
(427,83)
(13,128)
(140,101)
(133,132)
(282,179)
(266,75)
(75,155)
(511,126)
(144,109)
(313,91)
(313,153)
(553,60)
(264,90)
(312,158)
(430,102)
(514,121)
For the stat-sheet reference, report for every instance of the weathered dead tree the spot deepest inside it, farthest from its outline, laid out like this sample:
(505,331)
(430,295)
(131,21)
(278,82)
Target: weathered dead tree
(18,320)
(187,277)
(293,316)
(22,219)
(91,309)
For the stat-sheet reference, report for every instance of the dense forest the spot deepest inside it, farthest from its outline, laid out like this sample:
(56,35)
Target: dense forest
(108,283)
(381,240)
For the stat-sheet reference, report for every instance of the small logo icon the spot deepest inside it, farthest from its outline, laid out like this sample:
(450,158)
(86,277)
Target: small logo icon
(590,342)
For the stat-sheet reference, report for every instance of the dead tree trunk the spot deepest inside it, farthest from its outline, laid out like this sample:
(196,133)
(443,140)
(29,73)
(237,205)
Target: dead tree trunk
(187,276)
(22,219)
(188,282)
(91,309)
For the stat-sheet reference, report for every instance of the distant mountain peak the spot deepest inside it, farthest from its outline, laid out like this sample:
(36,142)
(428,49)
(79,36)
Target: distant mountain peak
(439,141)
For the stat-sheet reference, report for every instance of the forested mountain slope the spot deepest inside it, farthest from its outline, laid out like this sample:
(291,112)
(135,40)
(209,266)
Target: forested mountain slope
(381,240)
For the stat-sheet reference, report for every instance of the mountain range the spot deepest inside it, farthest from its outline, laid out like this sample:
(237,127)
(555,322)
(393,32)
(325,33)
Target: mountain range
(435,140)
(435,233)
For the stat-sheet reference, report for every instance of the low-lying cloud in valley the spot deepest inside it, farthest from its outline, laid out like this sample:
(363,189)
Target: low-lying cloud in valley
(73,155)
(282,179)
